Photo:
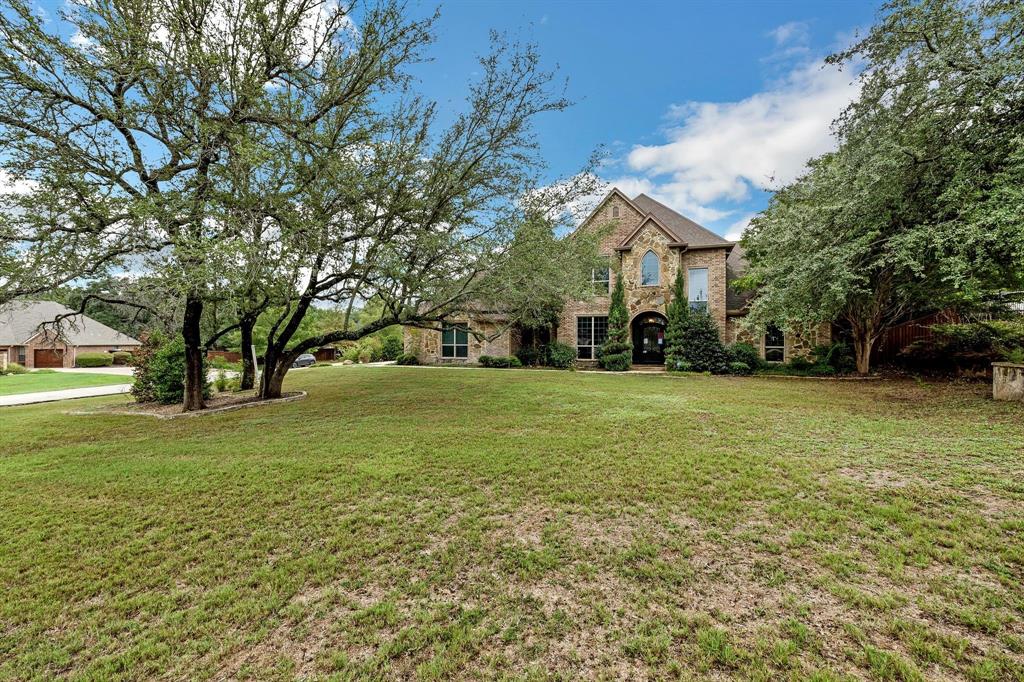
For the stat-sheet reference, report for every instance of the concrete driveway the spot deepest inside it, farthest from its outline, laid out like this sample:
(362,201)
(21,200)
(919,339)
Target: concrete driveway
(89,392)
(64,394)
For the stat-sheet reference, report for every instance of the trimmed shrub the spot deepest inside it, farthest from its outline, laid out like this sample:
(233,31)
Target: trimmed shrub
(531,356)
(407,359)
(160,371)
(221,382)
(121,357)
(745,353)
(15,368)
(739,368)
(500,361)
(800,363)
(391,347)
(837,355)
(94,360)
(680,365)
(560,355)
(616,354)
(701,345)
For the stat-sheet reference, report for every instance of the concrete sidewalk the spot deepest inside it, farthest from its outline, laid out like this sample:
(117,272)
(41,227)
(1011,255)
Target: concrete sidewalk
(65,394)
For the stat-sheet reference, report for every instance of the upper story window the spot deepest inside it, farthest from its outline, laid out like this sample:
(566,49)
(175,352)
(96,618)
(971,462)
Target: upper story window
(774,344)
(454,341)
(697,288)
(650,270)
(615,211)
(601,279)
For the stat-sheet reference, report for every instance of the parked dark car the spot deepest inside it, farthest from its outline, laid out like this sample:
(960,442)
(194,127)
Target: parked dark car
(304,360)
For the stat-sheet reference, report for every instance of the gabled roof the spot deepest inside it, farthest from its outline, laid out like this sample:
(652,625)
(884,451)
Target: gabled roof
(650,218)
(684,229)
(21,320)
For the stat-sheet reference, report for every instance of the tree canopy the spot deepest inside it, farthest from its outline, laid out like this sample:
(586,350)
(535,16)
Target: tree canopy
(917,207)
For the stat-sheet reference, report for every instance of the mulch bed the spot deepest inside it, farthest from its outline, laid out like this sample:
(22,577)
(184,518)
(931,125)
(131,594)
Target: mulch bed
(218,402)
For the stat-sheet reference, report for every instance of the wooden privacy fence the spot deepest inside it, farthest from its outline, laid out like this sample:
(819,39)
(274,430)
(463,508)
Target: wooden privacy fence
(225,355)
(902,335)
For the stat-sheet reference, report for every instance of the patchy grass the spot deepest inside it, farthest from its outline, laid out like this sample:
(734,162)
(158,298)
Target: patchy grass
(430,523)
(34,382)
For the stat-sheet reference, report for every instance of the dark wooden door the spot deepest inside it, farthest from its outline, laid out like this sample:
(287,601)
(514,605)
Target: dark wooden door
(649,340)
(49,357)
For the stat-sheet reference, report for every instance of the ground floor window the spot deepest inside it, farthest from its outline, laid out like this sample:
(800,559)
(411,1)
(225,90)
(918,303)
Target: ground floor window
(774,345)
(454,341)
(21,355)
(591,332)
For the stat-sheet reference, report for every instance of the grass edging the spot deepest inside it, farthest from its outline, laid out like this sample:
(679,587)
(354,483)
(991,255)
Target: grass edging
(298,395)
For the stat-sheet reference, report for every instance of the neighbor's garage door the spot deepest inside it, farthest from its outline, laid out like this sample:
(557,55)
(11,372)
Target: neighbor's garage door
(49,357)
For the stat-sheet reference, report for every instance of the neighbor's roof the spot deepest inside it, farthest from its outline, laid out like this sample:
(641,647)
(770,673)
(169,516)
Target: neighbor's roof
(685,230)
(736,266)
(21,320)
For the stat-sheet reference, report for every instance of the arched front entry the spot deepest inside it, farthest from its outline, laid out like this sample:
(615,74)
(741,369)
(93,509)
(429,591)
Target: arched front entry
(649,338)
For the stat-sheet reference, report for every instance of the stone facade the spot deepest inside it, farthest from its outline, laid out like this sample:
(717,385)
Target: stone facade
(425,344)
(796,344)
(628,234)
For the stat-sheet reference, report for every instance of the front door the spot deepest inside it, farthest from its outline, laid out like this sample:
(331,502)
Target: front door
(649,339)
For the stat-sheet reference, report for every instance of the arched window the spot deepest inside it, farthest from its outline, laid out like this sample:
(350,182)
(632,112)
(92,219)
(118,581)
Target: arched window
(649,275)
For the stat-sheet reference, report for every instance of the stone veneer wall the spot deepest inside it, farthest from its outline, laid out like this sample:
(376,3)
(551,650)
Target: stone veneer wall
(425,344)
(641,299)
(796,344)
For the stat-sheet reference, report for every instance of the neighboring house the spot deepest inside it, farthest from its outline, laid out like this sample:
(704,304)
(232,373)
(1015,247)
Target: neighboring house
(29,336)
(647,243)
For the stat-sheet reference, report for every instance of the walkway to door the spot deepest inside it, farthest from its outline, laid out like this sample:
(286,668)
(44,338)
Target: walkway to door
(648,330)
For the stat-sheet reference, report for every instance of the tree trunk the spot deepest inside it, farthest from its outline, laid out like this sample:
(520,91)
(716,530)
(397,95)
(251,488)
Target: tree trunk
(862,343)
(275,367)
(195,381)
(245,326)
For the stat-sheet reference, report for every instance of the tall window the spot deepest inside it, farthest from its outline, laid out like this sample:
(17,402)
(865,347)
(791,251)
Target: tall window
(591,332)
(600,278)
(454,341)
(615,211)
(697,288)
(649,270)
(774,344)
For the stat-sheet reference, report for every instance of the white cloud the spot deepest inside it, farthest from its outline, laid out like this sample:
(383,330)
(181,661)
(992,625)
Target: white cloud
(81,41)
(718,151)
(11,185)
(735,231)
(792,32)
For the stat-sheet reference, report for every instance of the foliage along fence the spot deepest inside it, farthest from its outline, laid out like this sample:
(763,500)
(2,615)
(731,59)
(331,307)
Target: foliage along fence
(918,329)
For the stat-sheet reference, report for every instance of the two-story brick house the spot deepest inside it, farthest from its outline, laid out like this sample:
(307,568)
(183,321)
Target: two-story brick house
(646,243)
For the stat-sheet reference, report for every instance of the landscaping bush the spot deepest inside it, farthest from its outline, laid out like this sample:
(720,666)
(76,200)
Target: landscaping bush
(500,361)
(221,382)
(679,365)
(14,368)
(407,359)
(616,353)
(94,360)
(160,371)
(531,356)
(800,364)
(837,355)
(391,347)
(701,346)
(746,354)
(351,354)
(560,355)
(121,357)
(964,347)
(739,368)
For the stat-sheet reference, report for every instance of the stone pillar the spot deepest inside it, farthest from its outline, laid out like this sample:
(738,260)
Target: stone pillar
(1008,381)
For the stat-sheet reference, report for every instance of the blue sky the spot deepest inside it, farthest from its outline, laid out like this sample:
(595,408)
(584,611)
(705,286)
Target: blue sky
(702,105)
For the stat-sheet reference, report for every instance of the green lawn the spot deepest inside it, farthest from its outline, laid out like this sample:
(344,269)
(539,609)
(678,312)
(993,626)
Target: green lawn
(54,381)
(437,523)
